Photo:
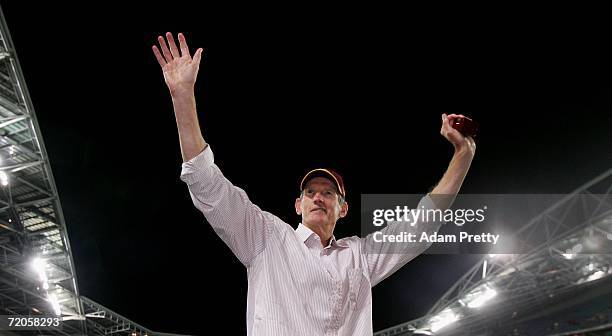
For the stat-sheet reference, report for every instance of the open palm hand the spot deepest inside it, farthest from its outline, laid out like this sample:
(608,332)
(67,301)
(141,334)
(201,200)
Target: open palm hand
(179,68)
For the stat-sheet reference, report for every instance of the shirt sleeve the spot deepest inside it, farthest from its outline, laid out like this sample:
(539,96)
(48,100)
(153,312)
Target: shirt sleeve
(243,226)
(384,258)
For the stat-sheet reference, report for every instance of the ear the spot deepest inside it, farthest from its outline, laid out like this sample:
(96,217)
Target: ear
(298,206)
(343,209)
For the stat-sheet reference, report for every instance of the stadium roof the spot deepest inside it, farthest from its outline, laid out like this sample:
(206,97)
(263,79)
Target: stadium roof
(37,275)
(562,259)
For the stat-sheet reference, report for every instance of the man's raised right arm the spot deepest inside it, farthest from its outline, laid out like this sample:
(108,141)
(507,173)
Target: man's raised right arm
(239,223)
(180,73)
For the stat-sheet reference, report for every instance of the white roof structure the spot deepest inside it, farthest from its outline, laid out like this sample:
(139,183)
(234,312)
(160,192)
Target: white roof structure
(560,277)
(37,275)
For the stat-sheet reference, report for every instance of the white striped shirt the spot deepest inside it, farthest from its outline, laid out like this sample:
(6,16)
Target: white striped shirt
(295,285)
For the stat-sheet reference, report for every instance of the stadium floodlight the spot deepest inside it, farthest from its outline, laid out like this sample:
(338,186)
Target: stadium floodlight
(74,318)
(442,319)
(55,304)
(479,296)
(571,253)
(484,269)
(3,178)
(595,276)
(590,267)
(507,271)
(40,267)
(593,272)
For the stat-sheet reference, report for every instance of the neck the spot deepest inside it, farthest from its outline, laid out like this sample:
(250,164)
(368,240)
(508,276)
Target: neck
(324,232)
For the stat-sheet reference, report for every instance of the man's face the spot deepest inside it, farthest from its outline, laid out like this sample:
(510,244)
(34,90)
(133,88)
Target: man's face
(319,203)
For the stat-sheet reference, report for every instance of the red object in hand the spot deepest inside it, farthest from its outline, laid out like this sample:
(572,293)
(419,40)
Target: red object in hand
(465,125)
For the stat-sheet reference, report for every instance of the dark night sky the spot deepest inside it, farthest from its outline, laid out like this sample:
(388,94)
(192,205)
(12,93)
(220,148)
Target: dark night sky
(278,94)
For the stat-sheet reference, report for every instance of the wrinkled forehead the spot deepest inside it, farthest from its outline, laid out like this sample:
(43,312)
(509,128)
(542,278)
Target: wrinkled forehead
(320,182)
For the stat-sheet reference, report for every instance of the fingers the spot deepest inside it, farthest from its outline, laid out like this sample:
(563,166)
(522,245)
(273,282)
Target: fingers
(173,48)
(445,119)
(455,116)
(164,48)
(169,51)
(159,57)
(197,56)
(446,123)
(183,44)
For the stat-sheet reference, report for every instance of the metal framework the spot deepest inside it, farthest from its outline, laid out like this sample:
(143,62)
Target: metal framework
(37,274)
(521,286)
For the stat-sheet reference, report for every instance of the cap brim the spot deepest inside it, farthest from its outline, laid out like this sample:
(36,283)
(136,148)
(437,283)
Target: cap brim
(321,172)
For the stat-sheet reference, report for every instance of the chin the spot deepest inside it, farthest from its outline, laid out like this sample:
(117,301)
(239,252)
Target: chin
(317,220)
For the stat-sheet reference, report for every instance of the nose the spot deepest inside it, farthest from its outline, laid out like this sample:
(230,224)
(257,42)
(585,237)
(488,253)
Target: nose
(318,197)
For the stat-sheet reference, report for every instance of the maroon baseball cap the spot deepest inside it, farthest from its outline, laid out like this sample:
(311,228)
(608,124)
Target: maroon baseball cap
(328,174)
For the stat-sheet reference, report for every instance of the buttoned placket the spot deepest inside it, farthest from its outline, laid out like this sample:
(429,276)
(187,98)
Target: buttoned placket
(323,255)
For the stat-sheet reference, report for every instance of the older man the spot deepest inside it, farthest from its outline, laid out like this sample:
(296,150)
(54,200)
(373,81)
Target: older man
(303,281)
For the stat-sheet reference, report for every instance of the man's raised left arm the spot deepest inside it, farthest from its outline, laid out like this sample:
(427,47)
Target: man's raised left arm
(451,181)
(383,259)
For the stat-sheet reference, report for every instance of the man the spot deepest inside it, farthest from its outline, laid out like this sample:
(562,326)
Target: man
(303,281)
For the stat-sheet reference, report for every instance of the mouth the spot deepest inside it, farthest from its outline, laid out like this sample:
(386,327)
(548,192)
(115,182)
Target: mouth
(319,209)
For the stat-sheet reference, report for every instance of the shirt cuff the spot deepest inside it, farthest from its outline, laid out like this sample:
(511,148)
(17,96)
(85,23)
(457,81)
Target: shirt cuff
(198,163)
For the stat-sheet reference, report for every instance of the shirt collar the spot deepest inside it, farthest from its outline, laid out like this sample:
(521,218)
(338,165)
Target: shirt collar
(303,232)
